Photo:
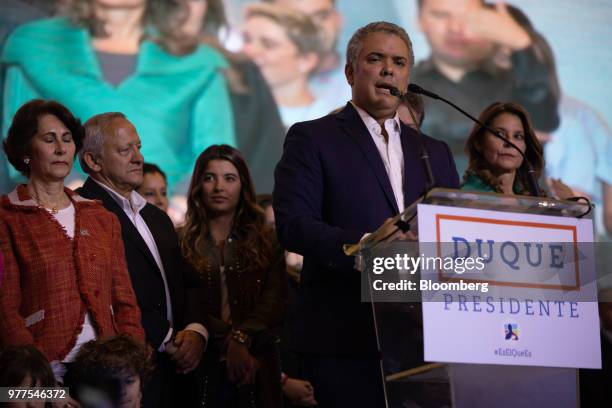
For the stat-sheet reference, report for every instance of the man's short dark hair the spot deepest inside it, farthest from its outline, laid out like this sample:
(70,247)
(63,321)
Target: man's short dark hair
(150,168)
(25,126)
(356,42)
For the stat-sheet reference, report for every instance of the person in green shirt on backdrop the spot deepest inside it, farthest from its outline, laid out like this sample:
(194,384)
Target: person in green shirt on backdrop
(128,56)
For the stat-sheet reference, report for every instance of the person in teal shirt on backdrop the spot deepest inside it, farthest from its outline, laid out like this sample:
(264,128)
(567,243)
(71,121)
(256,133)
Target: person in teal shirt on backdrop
(129,56)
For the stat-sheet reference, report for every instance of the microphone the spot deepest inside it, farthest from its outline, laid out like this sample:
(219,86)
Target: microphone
(431,181)
(535,189)
(395,92)
(414,88)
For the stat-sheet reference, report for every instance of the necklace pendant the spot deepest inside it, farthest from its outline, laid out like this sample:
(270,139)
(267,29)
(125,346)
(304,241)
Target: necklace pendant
(54,210)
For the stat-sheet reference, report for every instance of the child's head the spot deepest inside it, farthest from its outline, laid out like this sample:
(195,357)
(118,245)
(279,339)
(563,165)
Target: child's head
(112,370)
(25,366)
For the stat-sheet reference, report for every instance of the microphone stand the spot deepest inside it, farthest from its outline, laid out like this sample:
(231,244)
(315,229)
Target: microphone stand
(424,156)
(533,184)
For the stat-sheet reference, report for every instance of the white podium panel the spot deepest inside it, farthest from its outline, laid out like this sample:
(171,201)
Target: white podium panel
(539,307)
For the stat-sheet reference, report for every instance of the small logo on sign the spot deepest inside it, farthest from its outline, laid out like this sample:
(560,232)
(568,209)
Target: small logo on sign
(512,331)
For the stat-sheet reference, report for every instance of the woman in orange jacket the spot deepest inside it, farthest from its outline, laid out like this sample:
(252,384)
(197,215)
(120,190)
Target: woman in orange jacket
(65,280)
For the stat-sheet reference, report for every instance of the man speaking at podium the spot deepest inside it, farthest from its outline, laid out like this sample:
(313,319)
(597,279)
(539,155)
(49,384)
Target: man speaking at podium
(340,177)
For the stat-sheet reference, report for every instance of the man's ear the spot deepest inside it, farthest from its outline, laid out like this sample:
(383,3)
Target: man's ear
(348,71)
(92,162)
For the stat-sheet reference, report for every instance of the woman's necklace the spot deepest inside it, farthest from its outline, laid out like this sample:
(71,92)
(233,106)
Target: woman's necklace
(53,208)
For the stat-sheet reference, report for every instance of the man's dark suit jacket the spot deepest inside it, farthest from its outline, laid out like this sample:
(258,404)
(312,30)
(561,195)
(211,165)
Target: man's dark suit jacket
(331,187)
(144,272)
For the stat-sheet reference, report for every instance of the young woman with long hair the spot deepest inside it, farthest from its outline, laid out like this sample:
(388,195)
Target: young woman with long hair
(242,271)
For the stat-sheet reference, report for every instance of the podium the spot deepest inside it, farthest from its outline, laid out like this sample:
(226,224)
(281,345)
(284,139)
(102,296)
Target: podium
(513,333)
